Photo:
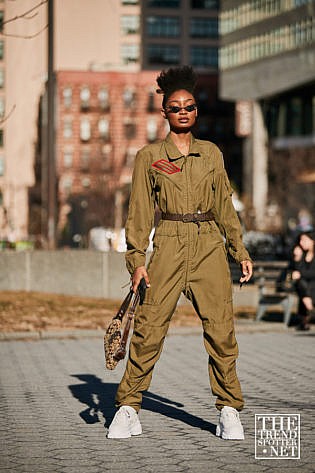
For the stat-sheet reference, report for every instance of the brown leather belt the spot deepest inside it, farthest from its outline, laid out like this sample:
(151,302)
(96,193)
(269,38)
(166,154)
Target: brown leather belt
(186,218)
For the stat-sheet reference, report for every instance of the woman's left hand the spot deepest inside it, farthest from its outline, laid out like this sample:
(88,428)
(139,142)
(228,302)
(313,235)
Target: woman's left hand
(247,271)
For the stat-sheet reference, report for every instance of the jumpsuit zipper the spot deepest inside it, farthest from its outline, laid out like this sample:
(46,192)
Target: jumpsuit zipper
(188,227)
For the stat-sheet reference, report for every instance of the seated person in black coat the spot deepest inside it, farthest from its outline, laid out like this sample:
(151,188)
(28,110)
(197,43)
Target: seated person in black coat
(303,275)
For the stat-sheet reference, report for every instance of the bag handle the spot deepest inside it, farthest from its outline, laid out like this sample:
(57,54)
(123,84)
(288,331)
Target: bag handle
(121,352)
(124,306)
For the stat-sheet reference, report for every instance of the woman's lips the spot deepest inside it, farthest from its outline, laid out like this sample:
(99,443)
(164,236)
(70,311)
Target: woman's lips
(183,120)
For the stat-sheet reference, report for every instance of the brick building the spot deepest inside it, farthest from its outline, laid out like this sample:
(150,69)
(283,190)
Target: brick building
(103,118)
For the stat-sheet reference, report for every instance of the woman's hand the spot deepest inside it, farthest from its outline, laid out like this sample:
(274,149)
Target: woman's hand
(247,271)
(296,275)
(138,274)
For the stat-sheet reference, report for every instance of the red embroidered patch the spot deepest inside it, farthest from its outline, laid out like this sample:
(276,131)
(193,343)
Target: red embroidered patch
(165,166)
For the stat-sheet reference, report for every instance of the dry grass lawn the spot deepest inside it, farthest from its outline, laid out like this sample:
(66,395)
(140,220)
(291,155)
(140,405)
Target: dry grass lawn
(34,311)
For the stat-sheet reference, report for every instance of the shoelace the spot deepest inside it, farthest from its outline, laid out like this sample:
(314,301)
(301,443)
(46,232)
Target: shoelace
(232,414)
(124,412)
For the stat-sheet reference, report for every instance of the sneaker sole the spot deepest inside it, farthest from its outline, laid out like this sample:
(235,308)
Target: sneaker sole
(118,437)
(228,437)
(134,432)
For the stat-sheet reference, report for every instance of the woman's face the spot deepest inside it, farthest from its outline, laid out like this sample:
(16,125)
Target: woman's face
(306,243)
(182,119)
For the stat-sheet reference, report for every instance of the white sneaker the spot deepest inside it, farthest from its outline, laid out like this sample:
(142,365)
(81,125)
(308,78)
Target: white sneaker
(230,426)
(125,424)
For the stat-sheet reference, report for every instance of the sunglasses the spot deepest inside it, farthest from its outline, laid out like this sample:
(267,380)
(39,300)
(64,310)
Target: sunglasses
(176,109)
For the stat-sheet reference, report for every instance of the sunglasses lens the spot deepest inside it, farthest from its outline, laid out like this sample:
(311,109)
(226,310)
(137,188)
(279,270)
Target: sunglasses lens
(175,109)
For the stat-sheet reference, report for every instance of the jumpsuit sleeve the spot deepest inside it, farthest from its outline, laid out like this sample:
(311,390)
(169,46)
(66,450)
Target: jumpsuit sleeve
(225,214)
(140,214)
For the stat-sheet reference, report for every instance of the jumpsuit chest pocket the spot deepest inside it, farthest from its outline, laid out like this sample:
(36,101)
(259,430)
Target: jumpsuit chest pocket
(160,179)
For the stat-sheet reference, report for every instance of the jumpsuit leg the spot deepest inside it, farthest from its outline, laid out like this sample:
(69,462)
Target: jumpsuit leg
(210,289)
(152,321)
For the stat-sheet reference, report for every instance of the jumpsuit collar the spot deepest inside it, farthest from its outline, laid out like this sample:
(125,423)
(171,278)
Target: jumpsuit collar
(173,152)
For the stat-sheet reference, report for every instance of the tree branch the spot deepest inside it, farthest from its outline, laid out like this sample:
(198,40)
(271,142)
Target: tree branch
(25,14)
(25,36)
(6,117)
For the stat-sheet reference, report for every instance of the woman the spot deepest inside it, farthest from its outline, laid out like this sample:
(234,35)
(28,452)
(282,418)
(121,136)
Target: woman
(185,177)
(303,275)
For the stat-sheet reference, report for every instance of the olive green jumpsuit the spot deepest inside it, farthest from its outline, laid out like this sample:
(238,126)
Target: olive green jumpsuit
(187,257)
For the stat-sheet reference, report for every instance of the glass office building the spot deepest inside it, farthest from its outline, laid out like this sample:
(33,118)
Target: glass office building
(267,62)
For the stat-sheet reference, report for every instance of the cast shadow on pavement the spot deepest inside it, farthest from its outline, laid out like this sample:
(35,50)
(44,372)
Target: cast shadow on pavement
(99,397)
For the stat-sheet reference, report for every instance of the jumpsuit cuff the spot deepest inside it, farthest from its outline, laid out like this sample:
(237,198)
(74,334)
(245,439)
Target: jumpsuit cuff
(241,256)
(134,260)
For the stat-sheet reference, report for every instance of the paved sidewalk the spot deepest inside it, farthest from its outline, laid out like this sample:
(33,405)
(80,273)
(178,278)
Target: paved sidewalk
(56,397)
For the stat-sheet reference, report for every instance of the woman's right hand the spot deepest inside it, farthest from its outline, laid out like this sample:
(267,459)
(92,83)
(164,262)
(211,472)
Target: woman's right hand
(138,274)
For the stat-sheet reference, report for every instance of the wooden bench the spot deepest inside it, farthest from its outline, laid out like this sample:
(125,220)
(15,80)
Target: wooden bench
(267,276)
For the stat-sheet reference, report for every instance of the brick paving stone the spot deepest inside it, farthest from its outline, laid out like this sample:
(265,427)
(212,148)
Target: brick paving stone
(56,402)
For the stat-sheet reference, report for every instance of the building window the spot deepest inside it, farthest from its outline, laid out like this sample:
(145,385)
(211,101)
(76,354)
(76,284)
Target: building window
(130,24)
(2,168)
(103,128)
(130,156)
(273,42)
(129,97)
(163,26)
(2,107)
(85,159)
(85,129)
(1,49)
(106,151)
(1,78)
(204,28)
(164,3)
(205,4)
(67,97)
(86,182)
(204,56)
(1,20)
(295,117)
(85,96)
(130,2)
(251,12)
(103,98)
(290,114)
(152,129)
(66,184)
(151,104)
(160,54)
(67,127)
(130,128)
(68,158)
(129,53)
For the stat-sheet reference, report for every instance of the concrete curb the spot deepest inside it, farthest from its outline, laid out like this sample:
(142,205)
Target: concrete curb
(241,326)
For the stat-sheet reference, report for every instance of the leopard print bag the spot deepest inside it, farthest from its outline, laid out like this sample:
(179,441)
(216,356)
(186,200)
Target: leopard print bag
(113,337)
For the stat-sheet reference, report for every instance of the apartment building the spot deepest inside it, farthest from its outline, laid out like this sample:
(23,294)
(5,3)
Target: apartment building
(103,119)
